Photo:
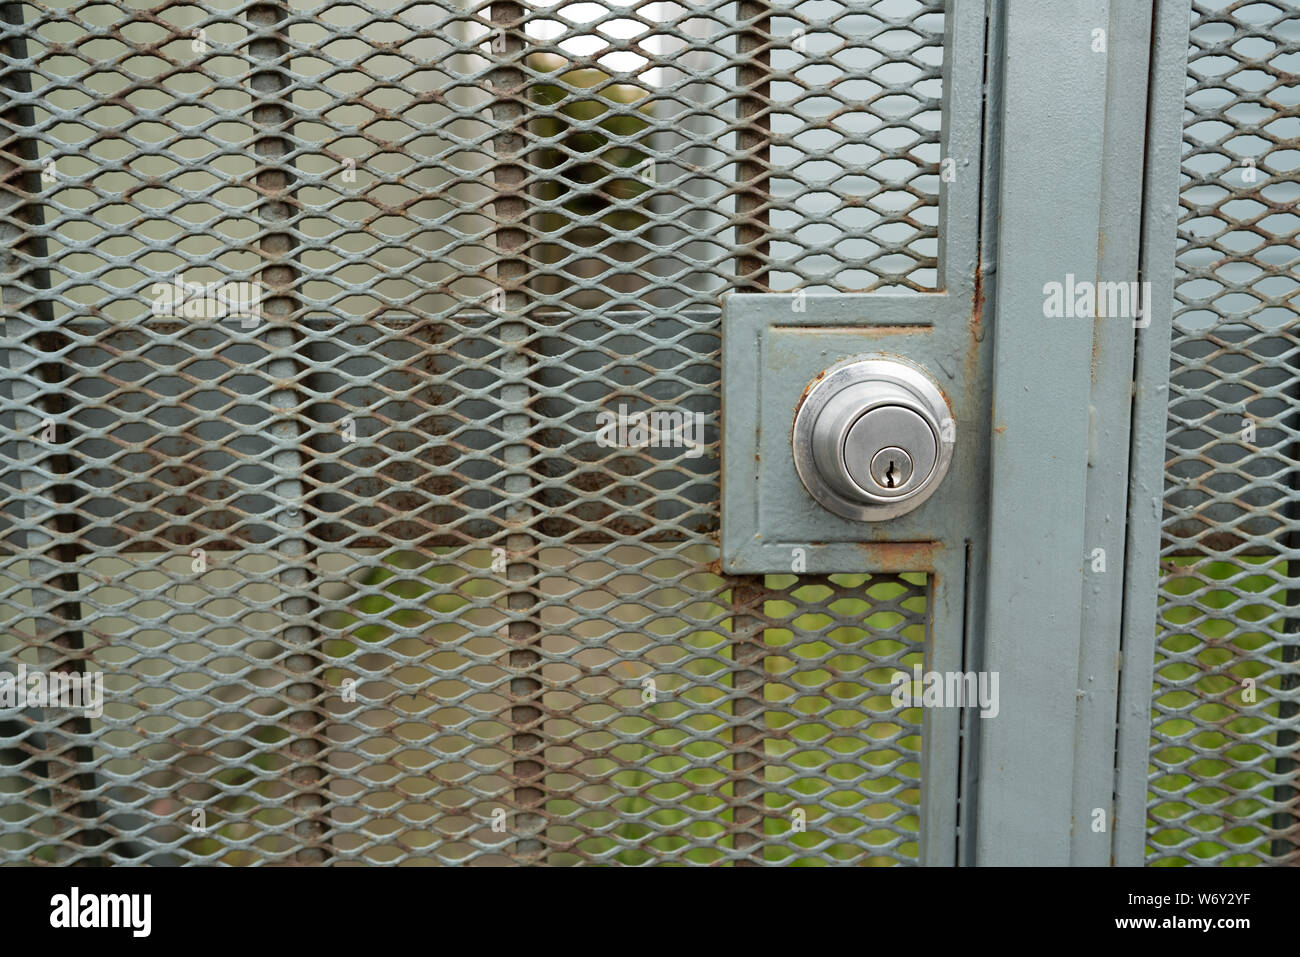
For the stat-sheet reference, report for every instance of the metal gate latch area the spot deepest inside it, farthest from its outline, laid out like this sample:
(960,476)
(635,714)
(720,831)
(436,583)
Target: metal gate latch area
(872,438)
(839,424)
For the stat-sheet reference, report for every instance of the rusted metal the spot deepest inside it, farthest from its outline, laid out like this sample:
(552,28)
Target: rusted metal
(175,434)
(380,181)
(510,213)
(66,760)
(272,115)
(748,592)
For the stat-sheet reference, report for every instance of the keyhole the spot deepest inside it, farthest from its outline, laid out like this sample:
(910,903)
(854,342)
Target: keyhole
(891,469)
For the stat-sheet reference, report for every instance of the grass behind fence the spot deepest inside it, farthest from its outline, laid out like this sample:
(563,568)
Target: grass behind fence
(1214,758)
(831,750)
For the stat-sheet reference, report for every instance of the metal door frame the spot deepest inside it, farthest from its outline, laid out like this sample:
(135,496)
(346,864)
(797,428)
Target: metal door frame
(1087,139)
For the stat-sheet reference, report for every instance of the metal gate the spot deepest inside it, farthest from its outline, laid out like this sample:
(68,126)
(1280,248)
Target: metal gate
(329,331)
(1224,773)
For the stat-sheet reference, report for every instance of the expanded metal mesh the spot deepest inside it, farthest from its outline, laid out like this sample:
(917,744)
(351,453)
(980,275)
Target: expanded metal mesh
(362,578)
(1224,785)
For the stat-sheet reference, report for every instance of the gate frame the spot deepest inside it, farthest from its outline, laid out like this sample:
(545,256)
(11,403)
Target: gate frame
(1079,129)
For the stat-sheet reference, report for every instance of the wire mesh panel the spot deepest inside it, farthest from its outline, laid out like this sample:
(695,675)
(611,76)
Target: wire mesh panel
(360,421)
(1224,770)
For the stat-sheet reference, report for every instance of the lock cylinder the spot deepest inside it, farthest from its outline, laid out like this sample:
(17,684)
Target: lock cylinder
(872,438)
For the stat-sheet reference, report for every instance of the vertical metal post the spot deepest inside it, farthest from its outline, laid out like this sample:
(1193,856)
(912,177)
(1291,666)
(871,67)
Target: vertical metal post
(59,640)
(748,593)
(1164,149)
(509,113)
(273,117)
(1128,32)
(1038,459)
(1066,393)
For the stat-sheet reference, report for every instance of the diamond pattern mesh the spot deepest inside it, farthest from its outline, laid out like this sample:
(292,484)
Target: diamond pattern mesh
(362,582)
(1224,769)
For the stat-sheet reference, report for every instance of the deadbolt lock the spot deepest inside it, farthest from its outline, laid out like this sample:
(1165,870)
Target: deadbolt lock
(873,438)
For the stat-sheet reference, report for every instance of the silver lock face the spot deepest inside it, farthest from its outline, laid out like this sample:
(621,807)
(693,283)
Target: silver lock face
(873,438)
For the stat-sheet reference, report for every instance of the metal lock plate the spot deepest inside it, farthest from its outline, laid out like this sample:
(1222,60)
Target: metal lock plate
(786,355)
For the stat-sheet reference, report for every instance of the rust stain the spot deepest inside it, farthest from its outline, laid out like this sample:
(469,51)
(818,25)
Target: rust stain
(894,329)
(977,301)
(976,326)
(808,388)
(802,399)
(976,332)
(895,556)
(1190,539)
(902,556)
